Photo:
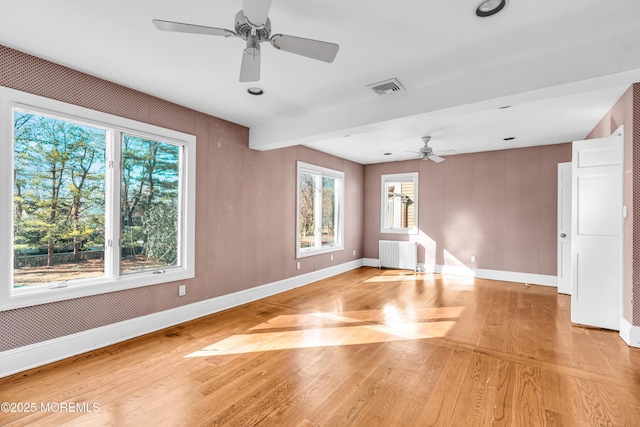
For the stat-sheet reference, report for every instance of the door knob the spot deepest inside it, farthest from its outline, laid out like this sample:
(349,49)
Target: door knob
(563,235)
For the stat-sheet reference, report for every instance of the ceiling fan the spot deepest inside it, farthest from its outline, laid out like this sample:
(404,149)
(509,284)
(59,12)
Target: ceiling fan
(427,152)
(254,27)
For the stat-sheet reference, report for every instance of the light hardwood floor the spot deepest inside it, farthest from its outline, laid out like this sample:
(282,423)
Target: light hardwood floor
(369,347)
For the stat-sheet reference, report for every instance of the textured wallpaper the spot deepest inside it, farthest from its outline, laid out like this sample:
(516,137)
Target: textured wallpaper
(245,237)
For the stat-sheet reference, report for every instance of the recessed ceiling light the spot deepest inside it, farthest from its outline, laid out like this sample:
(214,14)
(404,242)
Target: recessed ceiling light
(490,7)
(509,138)
(387,154)
(255,91)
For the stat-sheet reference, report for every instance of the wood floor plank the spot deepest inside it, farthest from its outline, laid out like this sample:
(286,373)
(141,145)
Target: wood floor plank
(343,403)
(439,408)
(382,397)
(503,389)
(368,347)
(329,371)
(527,401)
(431,361)
(473,407)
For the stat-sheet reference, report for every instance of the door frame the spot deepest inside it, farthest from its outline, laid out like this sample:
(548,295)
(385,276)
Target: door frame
(562,169)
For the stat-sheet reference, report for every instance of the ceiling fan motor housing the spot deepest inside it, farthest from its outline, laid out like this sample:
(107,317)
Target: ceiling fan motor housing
(244,28)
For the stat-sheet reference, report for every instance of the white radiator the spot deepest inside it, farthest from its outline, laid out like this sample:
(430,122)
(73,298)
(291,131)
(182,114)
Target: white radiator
(402,255)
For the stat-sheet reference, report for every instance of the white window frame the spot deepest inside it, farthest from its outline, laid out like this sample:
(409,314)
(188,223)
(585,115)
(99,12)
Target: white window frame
(398,177)
(11,298)
(339,229)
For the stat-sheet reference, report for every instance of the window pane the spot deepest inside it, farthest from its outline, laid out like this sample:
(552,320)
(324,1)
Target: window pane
(391,206)
(400,206)
(328,211)
(307,209)
(408,205)
(58,200)
(150,204)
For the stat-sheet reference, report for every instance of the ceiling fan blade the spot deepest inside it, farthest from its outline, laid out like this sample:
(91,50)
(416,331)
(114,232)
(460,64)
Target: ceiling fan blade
(250,68)
(190,28)
(435,158)
(315,49)
(256,11)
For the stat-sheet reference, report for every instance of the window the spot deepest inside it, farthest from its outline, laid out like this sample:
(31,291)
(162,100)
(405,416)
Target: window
(97,203)
(320,210)
(399,203)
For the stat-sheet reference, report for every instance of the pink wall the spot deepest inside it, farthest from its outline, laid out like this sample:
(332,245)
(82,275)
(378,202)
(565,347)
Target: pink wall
(627,112)
(245,207)
(499,206)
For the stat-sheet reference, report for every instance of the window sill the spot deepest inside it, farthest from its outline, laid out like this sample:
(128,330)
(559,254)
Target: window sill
(26,298)
(399,230)
(324,250)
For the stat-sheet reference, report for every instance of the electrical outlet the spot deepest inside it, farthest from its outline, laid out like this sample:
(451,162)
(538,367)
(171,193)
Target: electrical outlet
(354,252)
(298,265)
(331,257)
(473,258)
(182,290)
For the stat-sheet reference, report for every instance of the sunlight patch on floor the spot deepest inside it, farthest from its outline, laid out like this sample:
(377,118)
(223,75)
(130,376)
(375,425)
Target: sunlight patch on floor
(390,315)
(327,329)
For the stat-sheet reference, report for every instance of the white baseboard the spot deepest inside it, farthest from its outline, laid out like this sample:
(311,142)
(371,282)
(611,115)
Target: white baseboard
(42,353)
(370,262)
(629,333)
(507,276)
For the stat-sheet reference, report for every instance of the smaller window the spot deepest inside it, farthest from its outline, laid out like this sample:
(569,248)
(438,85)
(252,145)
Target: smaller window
(399,203)
(319,211)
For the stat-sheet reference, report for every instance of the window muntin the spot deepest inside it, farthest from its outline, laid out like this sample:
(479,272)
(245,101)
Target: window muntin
(97,229)
(319,211)
(399,203)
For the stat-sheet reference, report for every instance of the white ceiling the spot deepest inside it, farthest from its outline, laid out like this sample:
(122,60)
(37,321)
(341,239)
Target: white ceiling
(560,64)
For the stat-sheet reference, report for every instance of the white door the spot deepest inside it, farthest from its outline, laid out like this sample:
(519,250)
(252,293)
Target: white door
(596,232)
(564,228)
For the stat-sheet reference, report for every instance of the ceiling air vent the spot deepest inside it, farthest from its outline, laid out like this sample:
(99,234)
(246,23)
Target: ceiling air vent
(387,86)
